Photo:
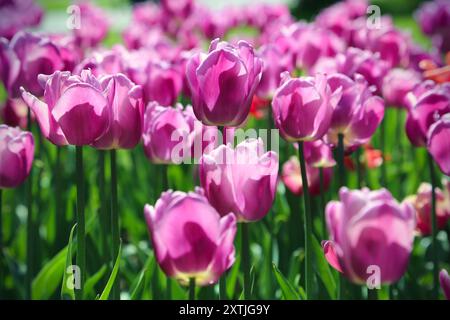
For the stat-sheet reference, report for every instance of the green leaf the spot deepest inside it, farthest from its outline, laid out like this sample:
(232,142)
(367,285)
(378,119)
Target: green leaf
(323,269)
(93,280)
(112,278)
(136,289)
(288,290)
(49,278)
(66,292)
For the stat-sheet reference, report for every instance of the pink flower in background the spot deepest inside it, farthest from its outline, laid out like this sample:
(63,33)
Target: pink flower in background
(163,84)
(93,26)
(303,107)
(126,113)
(422,203)
(178,8)
(292,178)
(164,129)
(17,15)
(16,156)
(190,238)
(444,280)
(438,144)
(14,113)
(434,19)
(75,110)
(369,228)
(358,112)
(223,82)
(318,154)
(397,83)
(24,58)
(241,180)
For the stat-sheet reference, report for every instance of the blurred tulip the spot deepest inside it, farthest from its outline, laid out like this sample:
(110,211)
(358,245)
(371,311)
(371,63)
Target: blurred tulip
(397,83)
(163,84)
(292,178)
(23,59)
(16,156)
(126,112)
(223,83)
(434,19)
(318,154)
(242,181)
(358,113)
(163,129)
(75,110)
(303,107)
(17,15)
(369,228)
(178,8)
(444,279)
(93,26)
(438,144)
(14,113)
(190,239)
(422,203)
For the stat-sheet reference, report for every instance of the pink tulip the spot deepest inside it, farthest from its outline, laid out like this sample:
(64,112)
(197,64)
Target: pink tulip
(397,83)
(434,19)
(303,107)
(438,144)
(17,15)
(14,113)
(16,156)
(318,154)
(93,26)
(24,58)
(178,8)
(190,238)
(369,228)
(126,112)
(75,110)
(357,114)
(241,180)
(292,178)
(223,83)
(444,279)
(164,127)
(163,84)
(422,203)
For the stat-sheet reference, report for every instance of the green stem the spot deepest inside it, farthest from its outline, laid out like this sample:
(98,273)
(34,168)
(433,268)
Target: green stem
(308,225)
(169,288)
(191,288)
(81,239)
(372,294)
(1,221)
(322,203)
(30,227)
(59,214)
(358,167)
(114,220)
(383,152)
(434,229)
(340,160)
(103,206)
(245,250)
(223,287)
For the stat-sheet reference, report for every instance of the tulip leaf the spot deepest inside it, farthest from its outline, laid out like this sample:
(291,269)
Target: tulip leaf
(288,290)
(93,280)
(112,278)
(137,287)
(68,293)
(323,270)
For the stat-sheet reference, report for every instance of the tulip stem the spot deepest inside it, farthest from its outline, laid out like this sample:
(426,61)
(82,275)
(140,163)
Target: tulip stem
(223,278)
(434,228)
(2,275)
(59,216)
(322,202)
(192,288)
(114,219)
(308,225)
(103,206)
(383,152)
(30,227)
(245,250)
(358,167)
(340,158)
(81,239)
(372,294)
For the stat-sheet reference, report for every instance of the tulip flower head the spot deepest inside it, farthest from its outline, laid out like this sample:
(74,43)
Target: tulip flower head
(223,83)
(190,238)
(16,156)
(369,228)
(444,279)
(241,180)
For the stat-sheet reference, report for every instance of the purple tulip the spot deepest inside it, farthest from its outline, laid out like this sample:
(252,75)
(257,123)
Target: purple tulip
(318,154)
(75,110)
(163,84)
(14,113)
(178,8)
(357,114)
(292,178)
(241,180)
(303,107)
(17,15)
(369,228)
(93,27)
(434,19)
(190,238)
(223,82)
(16,156)
(427,103)
(126,112)
(397,83)
(438,144)
(24,58)
(164,127)
(444,279)
(275,62)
